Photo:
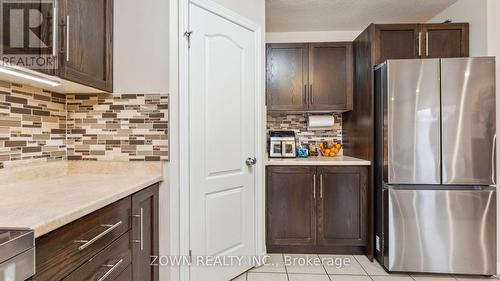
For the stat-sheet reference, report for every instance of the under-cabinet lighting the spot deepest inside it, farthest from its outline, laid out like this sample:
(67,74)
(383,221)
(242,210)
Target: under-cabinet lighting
(27,75)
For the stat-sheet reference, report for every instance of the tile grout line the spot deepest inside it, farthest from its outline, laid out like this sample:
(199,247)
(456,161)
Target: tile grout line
(286,269)
(362,267)
(324,268)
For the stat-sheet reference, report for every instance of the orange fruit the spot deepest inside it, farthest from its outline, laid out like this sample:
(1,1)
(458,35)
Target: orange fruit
(327,151)
(332,154)
(338,146)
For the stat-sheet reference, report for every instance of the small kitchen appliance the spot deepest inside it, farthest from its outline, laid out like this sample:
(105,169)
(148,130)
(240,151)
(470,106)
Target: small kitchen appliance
(282,144)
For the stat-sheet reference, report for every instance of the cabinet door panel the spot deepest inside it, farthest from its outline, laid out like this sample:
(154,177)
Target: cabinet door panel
(396,41)
(445,40)
(287,76)
(330,76)
(291,216)
(145,233)
(342,206)
(87,42)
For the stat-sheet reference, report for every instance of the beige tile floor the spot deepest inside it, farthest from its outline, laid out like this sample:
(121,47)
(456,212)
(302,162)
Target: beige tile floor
(335,268)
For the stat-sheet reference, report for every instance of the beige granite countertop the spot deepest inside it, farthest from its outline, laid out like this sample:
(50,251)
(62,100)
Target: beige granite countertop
(47,196)
(318,161)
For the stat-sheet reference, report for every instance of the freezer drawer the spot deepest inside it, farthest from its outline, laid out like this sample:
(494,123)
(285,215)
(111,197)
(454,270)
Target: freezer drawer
(442,231)
(468,120)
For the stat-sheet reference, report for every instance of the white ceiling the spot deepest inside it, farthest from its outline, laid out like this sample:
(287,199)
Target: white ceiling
(323,15)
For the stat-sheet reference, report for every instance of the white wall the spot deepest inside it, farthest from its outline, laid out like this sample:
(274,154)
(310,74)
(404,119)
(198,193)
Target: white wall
(141,65)
(493,45)
(313,36)
(140,46)
(251,9)
(474,12)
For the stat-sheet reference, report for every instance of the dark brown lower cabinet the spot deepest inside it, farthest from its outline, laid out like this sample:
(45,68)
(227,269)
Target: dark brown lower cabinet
(113,243)
(291,208)
(317,209)
(145,233)
(342,206)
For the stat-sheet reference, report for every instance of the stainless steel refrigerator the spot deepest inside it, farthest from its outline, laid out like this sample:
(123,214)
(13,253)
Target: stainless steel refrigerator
(435,166)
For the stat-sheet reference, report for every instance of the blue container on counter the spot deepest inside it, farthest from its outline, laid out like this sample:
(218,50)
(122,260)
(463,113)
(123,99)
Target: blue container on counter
(302,152)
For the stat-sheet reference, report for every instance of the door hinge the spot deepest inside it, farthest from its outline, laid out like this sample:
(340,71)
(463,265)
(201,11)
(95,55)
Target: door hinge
(187,34)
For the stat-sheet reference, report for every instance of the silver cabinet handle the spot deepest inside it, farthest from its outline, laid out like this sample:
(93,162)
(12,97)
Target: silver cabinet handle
(141,218)
(67,38)
(493,155)
(314,186)
(420,44)
(113,267)
(311,98)
(427,44)
(87,243)
(54,30)
(305,94)
(321,186)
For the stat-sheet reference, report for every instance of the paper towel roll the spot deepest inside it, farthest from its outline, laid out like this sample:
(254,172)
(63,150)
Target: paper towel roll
(320,122)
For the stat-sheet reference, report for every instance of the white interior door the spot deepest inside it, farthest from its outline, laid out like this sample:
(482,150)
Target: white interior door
(222,92)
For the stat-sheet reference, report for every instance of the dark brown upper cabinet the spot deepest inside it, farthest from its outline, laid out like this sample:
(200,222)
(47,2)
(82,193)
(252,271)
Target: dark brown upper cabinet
(86,43)
(291,206)
(287,76)
(397,41)
(309,77)
(412,41)
(445,40)
(330,76)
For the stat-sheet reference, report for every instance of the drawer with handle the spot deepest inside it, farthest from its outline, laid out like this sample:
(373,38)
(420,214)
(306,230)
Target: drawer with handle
(107,265)
(63,250)
(126,275)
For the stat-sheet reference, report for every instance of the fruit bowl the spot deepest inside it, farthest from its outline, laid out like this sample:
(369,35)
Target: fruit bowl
(330,148)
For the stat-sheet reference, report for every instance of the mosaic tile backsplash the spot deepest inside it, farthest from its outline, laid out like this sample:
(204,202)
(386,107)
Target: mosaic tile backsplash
(298,123)
(37,125)
(117,127)
(32,124)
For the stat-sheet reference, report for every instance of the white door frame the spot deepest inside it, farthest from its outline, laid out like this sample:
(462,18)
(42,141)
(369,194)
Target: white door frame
(184,125)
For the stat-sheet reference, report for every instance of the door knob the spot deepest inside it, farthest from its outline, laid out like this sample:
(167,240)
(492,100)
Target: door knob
(251,161)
